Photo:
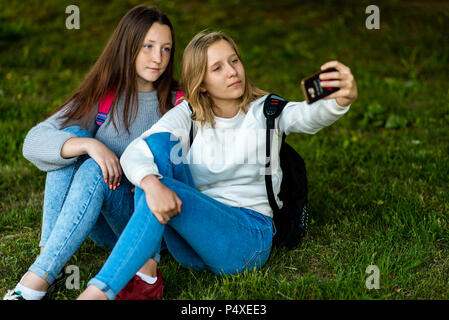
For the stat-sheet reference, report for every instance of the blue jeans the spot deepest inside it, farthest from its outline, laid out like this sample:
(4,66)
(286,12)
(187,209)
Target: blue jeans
(77,204)
(206,234)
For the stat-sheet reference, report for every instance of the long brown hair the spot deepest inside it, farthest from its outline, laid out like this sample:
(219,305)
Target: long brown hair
(194,66)
(115,69)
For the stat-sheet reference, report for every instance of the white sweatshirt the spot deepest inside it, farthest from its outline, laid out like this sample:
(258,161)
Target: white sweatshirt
(228,162)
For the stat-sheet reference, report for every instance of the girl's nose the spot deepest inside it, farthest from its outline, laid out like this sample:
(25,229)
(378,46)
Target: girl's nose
(157,56)
(231,71)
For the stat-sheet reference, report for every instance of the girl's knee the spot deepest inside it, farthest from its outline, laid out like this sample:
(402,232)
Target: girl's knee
(161,144)
(80,132)
(90,168)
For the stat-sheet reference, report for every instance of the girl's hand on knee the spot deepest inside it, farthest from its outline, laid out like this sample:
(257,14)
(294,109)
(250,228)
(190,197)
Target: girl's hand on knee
(343,79)
(108,162)
(162,201)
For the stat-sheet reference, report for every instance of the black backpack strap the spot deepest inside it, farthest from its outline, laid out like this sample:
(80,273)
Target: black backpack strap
(191,128)
(272,108)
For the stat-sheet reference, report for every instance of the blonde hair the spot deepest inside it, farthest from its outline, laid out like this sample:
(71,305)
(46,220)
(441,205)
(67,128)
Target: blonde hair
(194,66)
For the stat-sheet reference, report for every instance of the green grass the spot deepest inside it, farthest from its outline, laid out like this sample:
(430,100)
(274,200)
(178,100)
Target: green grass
(378,178)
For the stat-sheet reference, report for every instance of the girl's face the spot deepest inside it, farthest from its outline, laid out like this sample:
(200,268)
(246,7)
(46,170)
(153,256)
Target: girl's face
(154,56)
(225,76)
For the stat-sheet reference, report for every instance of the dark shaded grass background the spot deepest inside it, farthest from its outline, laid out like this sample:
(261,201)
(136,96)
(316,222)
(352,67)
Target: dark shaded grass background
(378,177)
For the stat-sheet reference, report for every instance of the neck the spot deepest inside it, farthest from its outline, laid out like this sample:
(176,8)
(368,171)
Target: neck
(225,109)
(144,86)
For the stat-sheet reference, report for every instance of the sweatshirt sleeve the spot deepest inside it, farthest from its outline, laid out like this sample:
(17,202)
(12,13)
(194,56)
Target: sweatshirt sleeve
(302,117)
(137,160)
(43,144)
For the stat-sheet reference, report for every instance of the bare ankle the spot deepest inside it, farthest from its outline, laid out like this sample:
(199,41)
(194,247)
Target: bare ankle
(33,281)
(92,293)
(149,268)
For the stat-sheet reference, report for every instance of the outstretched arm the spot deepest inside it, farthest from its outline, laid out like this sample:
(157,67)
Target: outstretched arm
(310,118)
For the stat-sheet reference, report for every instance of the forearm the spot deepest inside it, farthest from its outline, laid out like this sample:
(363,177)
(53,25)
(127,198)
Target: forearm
(42,147)
(305,118)
(74,147)
(43,143)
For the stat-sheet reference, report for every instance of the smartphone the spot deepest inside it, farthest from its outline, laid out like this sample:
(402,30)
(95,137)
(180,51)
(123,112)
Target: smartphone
(313,89)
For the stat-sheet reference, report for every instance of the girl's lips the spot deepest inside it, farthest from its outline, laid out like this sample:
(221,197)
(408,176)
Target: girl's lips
(154,69)
(235,84)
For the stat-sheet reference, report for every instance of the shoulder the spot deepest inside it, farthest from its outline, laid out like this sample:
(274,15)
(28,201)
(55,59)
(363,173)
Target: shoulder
(258,104)
(260,101)
(180,109)
(184,105)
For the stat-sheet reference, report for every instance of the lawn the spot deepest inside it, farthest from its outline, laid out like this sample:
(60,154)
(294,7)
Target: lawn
(378,178)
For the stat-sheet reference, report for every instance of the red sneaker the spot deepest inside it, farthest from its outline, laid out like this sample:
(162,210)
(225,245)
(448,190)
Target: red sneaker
(137,289)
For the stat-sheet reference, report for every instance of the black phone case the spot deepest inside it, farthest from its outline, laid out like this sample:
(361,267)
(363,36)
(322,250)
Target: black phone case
(312,89)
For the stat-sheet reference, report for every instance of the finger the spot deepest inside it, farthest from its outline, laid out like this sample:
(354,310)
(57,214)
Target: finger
(116,175)
(179,202)
(160,218)
(111,176)
(173,210)
(168,210)
(330,64)
(104,171)
(333,83)
(330,75)
(114,168)
(108,173)
(121,173)
(335,64)
(348,76)
(167,218)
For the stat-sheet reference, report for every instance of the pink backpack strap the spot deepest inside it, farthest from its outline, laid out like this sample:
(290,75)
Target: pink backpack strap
(179,95)
(106,102)
(103,106)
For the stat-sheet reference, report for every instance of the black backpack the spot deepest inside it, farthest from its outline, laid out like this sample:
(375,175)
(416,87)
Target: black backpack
(292,220)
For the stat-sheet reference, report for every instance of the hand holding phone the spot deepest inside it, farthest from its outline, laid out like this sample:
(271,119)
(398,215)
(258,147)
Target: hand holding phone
(313,88)
(335,81)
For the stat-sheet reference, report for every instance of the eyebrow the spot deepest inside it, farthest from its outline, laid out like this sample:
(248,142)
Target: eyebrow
(219,61)
(167,43)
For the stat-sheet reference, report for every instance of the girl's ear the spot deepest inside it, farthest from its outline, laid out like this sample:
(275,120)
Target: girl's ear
(202,89)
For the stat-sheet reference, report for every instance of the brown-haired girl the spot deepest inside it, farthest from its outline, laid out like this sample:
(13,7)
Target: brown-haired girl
(86,193)
(210,204)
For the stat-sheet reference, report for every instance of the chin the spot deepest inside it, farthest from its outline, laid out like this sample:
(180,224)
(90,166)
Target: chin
(152,78)
(239,94)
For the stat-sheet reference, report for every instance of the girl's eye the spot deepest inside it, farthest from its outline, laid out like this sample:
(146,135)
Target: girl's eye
(216,68)
(147,46)
(167,49)
(235,60)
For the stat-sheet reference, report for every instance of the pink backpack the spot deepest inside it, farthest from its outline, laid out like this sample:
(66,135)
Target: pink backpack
(106,103)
